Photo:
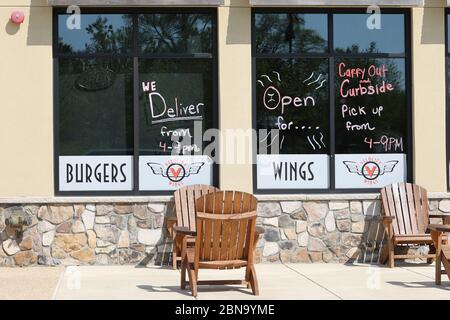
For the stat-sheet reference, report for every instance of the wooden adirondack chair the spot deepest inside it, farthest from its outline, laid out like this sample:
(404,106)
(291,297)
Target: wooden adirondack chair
(225,239)
(185,215)
(442,251)
(405,218)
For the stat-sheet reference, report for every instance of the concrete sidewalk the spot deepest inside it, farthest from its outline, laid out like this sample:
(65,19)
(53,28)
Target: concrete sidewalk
(34,283)
(277,281)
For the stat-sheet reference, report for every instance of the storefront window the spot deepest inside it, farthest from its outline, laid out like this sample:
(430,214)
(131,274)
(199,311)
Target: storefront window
(131,90)
(352,136)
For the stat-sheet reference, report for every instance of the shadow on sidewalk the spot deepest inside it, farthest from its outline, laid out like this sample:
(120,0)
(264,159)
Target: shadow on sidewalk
(421,285)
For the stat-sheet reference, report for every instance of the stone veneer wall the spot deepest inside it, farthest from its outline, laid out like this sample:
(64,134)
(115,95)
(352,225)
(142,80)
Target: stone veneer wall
(133,233)
(86,234)
(326,230)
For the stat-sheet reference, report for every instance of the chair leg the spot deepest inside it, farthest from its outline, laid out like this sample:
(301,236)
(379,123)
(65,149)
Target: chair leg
(432,251)
(391,262)
(192,279)
(438,270)
(384,255)
(174,259)
(176,251)
(254,281)
(446,264)
(183,274)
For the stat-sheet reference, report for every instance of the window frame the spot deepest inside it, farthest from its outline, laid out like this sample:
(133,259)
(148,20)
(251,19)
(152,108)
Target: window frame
(447,102)
(331,55)
(135,55)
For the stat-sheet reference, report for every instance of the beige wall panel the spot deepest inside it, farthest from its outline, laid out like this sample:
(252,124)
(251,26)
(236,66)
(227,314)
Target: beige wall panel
(235,77)
(24,3)
(429,97)
(26,148)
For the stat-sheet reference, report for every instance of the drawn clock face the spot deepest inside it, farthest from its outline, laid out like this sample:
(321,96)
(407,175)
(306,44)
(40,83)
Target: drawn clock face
(272,98)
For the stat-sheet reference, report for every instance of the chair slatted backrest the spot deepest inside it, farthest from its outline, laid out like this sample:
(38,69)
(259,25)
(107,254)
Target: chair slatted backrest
(185,203)
(408,203)
(226,222)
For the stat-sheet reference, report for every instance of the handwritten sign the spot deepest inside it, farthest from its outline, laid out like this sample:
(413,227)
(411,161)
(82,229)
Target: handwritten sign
(171,118)
(161,112)
(293,99)
(371,113)
(292,171)
(95,173)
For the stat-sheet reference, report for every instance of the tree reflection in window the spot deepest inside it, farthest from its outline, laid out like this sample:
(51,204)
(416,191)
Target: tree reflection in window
(175,33)
(110,33)
(291,33)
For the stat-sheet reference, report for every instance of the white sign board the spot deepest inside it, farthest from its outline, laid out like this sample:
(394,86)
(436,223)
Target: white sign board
(95,173)
(369,170)
(173,172)
(292,171)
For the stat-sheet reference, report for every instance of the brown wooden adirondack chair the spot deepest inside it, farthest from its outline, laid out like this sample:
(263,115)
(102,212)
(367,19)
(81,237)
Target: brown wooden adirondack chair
(225,239)
(405,218)
(185,215)
(442,251)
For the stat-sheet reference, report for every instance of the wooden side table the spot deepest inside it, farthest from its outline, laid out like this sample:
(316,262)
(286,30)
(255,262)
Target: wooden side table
(442,250)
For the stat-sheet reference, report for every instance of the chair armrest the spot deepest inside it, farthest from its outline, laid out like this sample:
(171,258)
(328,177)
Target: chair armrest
(184,231)
(387,224)
(439,227)
(443,216)
(387,219)
(172,219)
(170,224)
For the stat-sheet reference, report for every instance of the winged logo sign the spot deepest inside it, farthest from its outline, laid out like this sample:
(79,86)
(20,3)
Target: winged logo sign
(370,170)
(176,172)
(172,172)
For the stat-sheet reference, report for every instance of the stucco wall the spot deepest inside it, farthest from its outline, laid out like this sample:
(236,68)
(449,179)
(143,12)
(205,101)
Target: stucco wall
(235,87)
(26,124)
(26,141)
(428,60)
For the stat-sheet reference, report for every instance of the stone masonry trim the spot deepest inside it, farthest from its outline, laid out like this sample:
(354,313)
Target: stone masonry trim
(96,233)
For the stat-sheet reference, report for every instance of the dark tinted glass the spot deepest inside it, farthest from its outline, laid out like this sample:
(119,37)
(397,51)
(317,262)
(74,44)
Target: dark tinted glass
(95,106)
(371,109)
(182,96)
(303,86)
(290,33)
(99,33)
(448,33)
(352,35)
(175,33)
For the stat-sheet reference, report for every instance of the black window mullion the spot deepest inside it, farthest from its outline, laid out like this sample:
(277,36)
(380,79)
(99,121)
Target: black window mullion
(136,121)
(332,107)
(447,113)
(408,91)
